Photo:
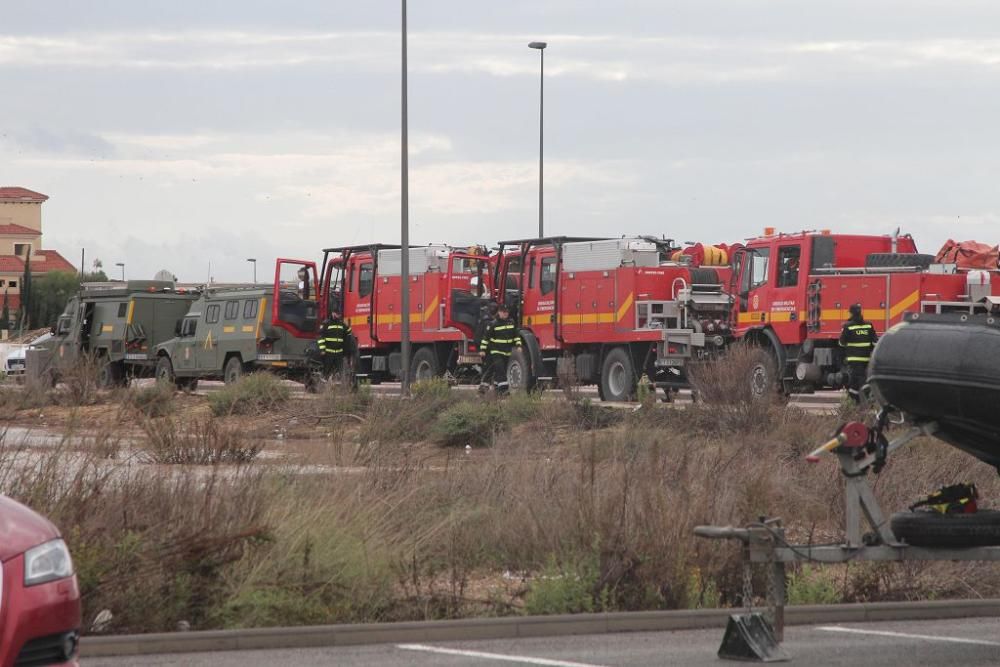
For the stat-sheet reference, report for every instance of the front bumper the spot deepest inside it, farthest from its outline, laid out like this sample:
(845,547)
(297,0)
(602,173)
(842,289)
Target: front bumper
(38,624)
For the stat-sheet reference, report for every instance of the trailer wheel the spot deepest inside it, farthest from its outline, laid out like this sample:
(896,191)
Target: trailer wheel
(519,375)
(233,370)
(424,365)
(165,370)
(931,529)
(617,376)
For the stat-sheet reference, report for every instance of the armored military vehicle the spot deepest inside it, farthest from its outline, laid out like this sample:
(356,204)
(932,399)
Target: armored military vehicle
(231,330)
(119,324)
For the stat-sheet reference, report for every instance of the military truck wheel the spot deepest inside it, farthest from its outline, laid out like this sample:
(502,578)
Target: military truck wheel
(618,376)
(165,370)
(109,374)
(187,384)
(233,371)
(424,365)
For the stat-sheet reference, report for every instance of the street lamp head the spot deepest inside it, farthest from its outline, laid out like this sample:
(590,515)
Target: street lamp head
(119,264)
(251,259)
(537,45)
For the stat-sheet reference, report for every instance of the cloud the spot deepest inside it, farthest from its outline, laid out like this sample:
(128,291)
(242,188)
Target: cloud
(611,58)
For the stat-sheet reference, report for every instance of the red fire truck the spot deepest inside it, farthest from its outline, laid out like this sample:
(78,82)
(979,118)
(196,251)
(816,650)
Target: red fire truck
(607,311)
(792,294)
(449,290)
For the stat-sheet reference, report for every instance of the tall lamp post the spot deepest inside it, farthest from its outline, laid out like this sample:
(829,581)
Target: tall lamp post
(253,260)
(404,232)
(121,264)
(541,133)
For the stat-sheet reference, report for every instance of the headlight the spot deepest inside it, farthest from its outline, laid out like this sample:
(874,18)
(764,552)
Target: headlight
(47,562)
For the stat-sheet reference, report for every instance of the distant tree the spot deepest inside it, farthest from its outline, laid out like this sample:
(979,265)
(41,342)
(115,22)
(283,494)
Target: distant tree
(25,314)
(49,295)
(5,314)
(94,277)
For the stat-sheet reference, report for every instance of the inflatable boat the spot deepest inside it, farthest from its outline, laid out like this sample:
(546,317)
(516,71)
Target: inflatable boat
(944,368)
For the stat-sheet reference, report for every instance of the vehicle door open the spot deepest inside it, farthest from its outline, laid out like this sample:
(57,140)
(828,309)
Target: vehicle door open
(296,303)
(468,291)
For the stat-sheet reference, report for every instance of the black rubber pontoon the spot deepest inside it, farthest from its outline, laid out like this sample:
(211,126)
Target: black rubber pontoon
(945,368)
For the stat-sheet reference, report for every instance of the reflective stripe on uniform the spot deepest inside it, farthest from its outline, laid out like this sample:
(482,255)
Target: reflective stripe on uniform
(859,359)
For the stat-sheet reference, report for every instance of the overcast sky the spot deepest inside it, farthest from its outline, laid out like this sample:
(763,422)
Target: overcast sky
(183,134)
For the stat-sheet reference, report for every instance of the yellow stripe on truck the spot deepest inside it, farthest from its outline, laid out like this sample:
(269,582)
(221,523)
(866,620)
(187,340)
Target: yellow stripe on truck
(394,318)
(260,316)
(606,317)
(828,314)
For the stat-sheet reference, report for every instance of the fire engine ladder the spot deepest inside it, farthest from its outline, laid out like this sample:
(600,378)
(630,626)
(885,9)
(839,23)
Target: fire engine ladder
(764,542)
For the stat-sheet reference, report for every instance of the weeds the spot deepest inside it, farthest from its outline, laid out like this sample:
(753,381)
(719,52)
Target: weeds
(582,509)
(250,395)
(156,400)
(200,442)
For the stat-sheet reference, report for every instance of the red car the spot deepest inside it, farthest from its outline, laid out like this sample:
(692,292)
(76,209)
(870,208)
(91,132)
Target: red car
(39,596)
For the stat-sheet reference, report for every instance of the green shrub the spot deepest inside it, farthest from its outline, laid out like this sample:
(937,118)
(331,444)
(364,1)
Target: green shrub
(469,423)
(522,407)
(562,590)
(434,389)
(250,395)
(812,585)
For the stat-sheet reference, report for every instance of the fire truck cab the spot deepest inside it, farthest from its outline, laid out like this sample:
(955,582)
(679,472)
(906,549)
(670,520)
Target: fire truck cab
(449,290)
(606,312)
(792,293)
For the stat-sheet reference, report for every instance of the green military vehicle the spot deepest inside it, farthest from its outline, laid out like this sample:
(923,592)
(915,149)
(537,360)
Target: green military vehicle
(232,330)
(118,324)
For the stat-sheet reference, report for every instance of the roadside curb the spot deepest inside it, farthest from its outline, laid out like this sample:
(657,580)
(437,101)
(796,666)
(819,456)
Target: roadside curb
(514,627)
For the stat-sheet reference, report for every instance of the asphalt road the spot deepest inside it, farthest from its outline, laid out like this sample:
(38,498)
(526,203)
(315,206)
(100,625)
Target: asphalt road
(966,642)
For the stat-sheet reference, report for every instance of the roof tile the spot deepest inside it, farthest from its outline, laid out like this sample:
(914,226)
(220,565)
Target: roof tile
(13,193)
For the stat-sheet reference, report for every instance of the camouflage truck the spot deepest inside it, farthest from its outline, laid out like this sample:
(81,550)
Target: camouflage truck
(117,324)
(232,330)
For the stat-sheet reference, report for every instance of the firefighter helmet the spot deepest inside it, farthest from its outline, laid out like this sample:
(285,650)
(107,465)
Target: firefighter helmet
(855,310)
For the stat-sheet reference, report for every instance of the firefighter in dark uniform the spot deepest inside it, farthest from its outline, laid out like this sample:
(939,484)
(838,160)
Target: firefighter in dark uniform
(335,341)
(858,339)
(498,342)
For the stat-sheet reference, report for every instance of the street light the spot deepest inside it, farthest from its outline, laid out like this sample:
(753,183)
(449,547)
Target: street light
(253,261)
(121,264)
(404,232)
(541,129)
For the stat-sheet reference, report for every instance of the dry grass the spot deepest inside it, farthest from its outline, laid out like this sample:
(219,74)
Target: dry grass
(200,442)
(558,513)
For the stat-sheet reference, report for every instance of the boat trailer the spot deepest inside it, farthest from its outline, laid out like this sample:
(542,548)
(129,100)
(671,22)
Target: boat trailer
(859,449)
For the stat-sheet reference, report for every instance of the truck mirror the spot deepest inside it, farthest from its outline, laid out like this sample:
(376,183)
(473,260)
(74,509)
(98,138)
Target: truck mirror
(52,330)
(177,328)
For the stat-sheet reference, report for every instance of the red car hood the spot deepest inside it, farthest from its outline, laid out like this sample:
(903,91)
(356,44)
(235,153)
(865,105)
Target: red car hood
(21,528)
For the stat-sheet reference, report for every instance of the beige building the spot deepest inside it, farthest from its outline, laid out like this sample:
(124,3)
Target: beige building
(21,237)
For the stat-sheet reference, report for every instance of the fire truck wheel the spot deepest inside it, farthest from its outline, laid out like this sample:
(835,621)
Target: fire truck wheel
(424,365)
(931,529)
(233,371)
(164,370)
(617,376)
(519,375)
(763,372)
